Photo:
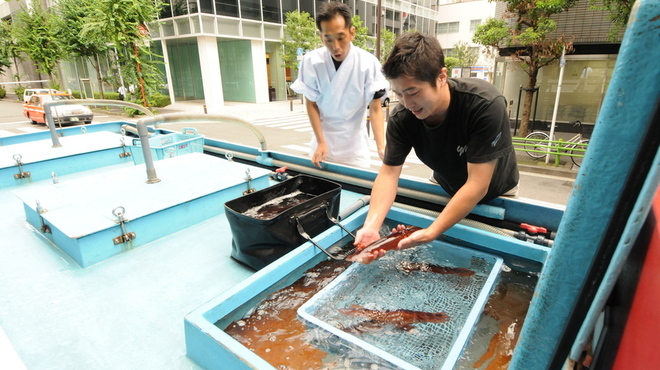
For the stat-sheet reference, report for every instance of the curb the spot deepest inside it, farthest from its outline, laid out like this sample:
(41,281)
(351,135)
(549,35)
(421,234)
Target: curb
(547,170)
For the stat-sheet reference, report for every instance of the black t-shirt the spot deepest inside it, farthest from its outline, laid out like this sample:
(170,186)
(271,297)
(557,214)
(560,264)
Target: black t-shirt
(476,130)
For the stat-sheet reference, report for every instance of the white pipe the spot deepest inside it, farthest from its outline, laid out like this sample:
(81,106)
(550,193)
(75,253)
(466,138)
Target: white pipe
(562,63)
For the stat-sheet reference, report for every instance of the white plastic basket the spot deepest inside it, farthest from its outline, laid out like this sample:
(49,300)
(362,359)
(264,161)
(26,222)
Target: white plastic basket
(169,145)
(382,285)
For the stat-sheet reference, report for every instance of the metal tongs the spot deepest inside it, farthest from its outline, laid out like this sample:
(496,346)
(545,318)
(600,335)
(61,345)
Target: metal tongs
(304,234)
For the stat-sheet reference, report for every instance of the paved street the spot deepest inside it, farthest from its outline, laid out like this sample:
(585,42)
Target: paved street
(285,126)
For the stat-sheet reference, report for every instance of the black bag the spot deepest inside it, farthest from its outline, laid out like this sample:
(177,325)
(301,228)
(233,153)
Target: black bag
(259,239)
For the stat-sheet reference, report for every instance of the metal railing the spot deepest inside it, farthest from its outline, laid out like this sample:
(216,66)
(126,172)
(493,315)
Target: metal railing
(538,148)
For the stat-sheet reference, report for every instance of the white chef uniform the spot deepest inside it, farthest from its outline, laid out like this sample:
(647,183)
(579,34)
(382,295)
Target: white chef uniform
(343,97)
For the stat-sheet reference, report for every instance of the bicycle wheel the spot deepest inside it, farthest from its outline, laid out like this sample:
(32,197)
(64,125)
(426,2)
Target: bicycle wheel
(535,149)
(581,145)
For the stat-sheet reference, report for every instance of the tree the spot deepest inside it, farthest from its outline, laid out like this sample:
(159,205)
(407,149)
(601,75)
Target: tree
(619,13)
(6,42)
(35,31)
(125,24)
(73,17)
(387,39)
(530,35)
(464,55)
(451,62)
(299,33)
(361,38)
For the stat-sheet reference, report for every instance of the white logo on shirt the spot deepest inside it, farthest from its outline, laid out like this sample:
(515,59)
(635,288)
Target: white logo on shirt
(497,138)
(461,150)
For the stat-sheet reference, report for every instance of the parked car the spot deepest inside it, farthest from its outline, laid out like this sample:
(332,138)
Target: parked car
(29,92)
(385,100)
(62,114)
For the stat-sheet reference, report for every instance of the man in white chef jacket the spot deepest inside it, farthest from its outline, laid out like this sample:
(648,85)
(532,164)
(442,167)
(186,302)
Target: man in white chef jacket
(340,81)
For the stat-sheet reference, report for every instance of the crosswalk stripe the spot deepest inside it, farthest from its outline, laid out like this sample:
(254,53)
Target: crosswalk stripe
(305,149)
(284,124)
(299,122)
(289,118)
(29,129)
(5,133)
(296,126)
(299,148)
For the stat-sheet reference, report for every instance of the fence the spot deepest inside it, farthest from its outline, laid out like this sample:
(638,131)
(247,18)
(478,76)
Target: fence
(538,148)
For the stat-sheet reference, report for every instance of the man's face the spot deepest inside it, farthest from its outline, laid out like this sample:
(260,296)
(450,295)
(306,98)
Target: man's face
(421,98)
(337,37)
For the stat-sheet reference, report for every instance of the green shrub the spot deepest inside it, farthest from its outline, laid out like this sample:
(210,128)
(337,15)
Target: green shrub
(107,95)
(160,100)
(3,93)
(76,94)
(19,92)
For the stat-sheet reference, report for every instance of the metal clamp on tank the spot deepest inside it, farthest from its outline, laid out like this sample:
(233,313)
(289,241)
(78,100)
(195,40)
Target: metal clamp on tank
(248,178)
(124,153)
(20,174)
(44,228)
(125,236)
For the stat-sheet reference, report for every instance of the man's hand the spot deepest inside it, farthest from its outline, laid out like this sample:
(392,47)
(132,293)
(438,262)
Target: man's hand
(365,236)
(320,154)
(419,237)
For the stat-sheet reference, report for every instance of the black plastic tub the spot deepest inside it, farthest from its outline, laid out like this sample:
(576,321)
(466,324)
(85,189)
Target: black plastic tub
(264,224)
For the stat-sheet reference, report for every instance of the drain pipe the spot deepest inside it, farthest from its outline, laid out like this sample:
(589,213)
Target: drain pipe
(464,222)
(192,118)
(143,134)
(485,210)
(50,122)
(354,207)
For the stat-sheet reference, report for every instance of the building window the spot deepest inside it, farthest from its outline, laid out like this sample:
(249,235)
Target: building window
(251,9)
(474,24)
(449,52)
(289,6)
(307,6)
(271,10)
(206,6)
(226,7)
(450,27)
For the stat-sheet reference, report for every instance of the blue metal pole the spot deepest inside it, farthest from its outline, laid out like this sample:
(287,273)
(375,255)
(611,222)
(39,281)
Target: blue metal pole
(626,114)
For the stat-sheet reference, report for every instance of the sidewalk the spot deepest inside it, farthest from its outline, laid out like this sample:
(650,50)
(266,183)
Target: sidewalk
(247,111)
(252,111)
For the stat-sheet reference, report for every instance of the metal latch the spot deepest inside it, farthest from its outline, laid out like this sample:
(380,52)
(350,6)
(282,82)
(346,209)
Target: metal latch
(20,174)
(124,152)
(44,228)
(248,178)
(124,237)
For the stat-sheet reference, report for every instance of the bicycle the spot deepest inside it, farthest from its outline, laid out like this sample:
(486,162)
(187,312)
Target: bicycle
(535,148)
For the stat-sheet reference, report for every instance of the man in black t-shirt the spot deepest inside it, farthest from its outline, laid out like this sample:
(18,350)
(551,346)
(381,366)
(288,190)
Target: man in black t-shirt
(458,127)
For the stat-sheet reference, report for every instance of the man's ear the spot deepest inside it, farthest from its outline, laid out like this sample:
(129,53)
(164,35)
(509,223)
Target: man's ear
(442,76)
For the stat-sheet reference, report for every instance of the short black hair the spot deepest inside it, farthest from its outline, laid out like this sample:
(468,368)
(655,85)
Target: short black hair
(331,9)
(415,55)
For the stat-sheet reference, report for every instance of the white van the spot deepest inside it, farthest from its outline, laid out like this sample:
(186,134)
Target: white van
(29,92)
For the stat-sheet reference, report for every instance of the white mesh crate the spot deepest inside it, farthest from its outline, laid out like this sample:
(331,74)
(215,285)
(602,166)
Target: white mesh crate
(382,285)
(169,145)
